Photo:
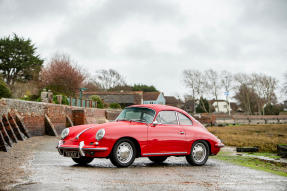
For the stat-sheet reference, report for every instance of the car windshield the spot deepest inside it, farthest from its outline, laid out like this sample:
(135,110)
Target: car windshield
(139,114)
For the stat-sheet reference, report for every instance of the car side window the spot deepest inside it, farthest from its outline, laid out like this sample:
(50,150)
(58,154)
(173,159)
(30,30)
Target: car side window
(183,120)
(167,117)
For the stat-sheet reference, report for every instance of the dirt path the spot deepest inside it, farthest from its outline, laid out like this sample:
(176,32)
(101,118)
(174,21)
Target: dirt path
(47,170)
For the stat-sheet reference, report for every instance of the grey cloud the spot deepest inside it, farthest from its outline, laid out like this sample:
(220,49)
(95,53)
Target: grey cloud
(92,29)
(16,11)
(265,13)
(250,39)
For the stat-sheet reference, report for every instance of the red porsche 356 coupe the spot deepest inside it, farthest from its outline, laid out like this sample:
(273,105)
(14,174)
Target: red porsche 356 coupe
(153,131)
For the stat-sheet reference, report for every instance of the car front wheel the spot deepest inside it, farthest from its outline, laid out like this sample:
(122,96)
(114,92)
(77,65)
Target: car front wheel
(199,153)
(83,160)
(158,159)
(123,153)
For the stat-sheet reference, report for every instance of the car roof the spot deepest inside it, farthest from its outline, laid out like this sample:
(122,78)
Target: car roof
(159,107)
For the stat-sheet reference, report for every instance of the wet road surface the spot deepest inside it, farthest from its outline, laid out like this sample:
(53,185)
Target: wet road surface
(50,171)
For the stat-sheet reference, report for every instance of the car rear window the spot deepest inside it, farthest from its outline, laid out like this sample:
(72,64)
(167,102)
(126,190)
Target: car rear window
(184,120)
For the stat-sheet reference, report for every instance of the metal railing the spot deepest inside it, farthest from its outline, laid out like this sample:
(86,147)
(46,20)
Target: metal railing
(82,102)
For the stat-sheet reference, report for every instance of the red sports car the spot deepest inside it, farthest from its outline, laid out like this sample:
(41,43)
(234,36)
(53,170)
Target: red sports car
(153,131)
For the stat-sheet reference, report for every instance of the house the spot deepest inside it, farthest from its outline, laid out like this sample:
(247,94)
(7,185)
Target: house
(220,106)
(172,101)
(153,98)
(123,98)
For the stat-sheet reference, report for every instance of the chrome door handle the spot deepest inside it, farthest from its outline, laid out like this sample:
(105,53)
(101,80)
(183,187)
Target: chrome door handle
(181,132)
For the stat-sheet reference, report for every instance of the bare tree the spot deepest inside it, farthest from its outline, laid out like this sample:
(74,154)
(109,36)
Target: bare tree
(213,83)
(189,78)
(243,82)
(285,84)
(61,76)
(260,84)
(195,81)
(265,87)
(227,80)
(227,83)
(109,79)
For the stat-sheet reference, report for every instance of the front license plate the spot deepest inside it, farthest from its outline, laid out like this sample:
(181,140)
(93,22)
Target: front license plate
(72,154)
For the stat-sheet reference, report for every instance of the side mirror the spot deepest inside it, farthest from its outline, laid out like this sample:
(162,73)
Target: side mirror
(155,123)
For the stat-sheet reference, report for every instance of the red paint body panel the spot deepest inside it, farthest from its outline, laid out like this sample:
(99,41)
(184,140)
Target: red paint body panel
(153,140)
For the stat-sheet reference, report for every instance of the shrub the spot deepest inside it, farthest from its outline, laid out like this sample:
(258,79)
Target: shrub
(273,109)
(4,89)
(100,103)
(64,100)
(31,97)
(115,106)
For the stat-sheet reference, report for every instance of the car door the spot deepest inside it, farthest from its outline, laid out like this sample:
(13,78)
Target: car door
(167,137)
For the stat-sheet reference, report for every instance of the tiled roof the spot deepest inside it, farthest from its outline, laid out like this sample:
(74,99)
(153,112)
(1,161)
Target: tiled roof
(150,96)
(170,99)
(113,93)
(117,97)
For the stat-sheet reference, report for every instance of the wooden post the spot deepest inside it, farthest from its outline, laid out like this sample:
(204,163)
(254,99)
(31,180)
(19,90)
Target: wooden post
(15,128)
(21,125)
(9,129)
(49,127)
(69,122)
(5,134)
(3,144)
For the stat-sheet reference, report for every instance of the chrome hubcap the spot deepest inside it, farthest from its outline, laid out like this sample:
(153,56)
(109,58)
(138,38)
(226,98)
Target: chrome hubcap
(124,152)
(199,152)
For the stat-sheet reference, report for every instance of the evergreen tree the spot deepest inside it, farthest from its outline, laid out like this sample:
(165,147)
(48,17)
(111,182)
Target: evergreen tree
(4,89)
(18,60)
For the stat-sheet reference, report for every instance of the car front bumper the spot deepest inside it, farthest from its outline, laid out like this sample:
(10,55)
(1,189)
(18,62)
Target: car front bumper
(84,150)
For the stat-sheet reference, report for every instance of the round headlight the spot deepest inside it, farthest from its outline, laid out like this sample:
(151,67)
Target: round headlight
(65,133)
(100,134)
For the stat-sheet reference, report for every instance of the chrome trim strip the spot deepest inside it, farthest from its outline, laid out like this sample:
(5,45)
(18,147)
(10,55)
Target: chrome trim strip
(96,149)
(77,137)
(68,147)
(76,148)
(165,153)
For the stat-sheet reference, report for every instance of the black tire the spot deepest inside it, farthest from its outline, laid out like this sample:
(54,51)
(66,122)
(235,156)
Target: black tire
(83,160)
(126,158)
(158,159)
(198,160)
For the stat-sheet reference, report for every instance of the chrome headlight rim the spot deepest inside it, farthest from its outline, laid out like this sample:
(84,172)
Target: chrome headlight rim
(100,134)
(65,133)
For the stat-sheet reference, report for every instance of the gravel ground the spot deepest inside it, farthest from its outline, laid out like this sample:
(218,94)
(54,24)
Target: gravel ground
(40,167)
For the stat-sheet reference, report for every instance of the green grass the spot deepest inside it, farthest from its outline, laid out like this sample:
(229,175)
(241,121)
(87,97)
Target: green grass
(253,163)
(269,155)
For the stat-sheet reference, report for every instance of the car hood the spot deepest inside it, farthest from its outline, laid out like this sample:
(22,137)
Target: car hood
(90,130)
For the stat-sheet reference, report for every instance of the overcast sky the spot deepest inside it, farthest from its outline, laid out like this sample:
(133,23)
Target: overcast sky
(153,41)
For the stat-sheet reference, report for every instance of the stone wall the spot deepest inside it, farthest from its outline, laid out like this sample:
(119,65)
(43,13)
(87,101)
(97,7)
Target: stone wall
(223,119)
(33,114)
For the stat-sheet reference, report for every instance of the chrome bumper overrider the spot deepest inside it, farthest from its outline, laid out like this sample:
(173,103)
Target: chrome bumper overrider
(219,145)
(81,148)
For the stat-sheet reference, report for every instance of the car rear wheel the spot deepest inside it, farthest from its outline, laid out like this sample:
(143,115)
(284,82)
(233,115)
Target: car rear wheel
(123,153)
(83,160)
(199,153)
(157,159)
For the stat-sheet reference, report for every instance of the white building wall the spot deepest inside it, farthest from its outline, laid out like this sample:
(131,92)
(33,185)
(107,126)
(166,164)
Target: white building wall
(222,107)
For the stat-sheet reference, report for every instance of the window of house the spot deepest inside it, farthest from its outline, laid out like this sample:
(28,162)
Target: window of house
(183,120)
(167,117)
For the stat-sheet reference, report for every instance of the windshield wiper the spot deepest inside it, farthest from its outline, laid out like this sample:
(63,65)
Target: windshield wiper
(140,120)
(122,120)
(134,120)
